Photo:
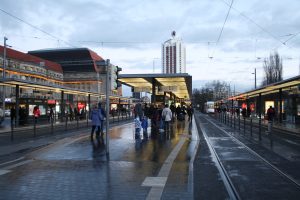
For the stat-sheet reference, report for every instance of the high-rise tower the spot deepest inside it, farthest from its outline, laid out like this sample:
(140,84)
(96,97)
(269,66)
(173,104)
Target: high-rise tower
(173,56)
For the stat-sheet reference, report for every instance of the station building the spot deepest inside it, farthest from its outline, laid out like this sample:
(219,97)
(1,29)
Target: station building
(68,83)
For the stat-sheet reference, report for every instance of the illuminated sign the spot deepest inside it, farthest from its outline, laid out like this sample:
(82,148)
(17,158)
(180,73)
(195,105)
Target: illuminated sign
(7,100)
(51,101)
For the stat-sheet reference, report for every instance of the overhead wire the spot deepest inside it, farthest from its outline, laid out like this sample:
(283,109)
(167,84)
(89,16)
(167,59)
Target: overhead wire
(251,20)
(221,32)
(35,27)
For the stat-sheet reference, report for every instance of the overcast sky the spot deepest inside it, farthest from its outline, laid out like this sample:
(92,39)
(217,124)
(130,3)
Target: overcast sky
(130,33)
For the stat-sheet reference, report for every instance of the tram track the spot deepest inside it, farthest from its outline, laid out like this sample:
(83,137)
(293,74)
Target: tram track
(232,192)
(232,188)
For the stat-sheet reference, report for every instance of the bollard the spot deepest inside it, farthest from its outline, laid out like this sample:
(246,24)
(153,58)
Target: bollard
(87,119)
(12,131)
(34,127)
(118,116)
(51,125)
(225,118)
(259,128)
(234,122)
(66,124)
(222,117)
(77,121)
(231,121)
(244,125)
(239,122)
(251,126)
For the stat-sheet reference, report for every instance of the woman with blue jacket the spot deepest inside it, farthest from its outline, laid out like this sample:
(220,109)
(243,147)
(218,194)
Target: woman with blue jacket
(96,121)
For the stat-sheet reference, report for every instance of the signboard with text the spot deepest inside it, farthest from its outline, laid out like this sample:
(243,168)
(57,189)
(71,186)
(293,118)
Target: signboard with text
(167,88)
(142,89)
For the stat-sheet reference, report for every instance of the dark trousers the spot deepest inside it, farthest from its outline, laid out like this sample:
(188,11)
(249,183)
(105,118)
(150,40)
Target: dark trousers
(101,127)
(167,125)
(93,129)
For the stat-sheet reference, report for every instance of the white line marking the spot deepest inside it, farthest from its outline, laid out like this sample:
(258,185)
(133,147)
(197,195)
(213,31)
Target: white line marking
(12,161)
(18,164)
(3,171)
(156,192)
(191,165)
(155,181)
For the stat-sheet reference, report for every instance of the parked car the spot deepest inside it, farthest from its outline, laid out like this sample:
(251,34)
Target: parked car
(1,115)
(7,113)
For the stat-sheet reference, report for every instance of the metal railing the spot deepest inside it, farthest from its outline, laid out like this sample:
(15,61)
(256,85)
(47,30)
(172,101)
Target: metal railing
(244,124)
(43,126)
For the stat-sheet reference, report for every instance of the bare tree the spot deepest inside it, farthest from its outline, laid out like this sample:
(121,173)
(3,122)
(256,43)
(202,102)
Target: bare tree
(273,69)
(212,91)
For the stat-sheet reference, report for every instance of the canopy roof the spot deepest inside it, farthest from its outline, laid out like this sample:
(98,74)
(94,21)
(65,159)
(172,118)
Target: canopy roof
(182,81)
(272,88)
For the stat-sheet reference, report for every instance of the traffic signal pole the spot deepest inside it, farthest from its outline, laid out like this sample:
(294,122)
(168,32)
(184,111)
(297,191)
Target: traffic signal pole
(107,106)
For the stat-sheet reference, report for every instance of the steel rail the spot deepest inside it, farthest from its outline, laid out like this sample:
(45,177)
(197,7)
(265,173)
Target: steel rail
(291,179)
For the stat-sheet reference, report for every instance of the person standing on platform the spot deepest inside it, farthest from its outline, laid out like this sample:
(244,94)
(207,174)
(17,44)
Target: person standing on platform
(137,126)
(173,109)
(167,117)
(138,111)
(271,115)
(144,125)
(12,115)
(36,113)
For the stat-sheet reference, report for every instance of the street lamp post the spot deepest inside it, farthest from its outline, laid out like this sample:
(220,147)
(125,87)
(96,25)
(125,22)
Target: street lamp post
(254,78)
(3,73)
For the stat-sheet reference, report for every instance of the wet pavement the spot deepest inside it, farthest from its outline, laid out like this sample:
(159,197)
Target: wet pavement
(76,168)
(252,169)
(203,160)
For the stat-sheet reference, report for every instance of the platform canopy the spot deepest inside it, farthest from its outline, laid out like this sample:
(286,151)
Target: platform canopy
(179,84)
(284,85)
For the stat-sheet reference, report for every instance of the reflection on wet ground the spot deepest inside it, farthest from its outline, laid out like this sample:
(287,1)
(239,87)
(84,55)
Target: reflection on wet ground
(80,168)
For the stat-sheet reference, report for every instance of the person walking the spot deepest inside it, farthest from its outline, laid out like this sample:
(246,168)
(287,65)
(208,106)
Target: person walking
(102,117)
(271,115)
(190,112)
(167,117)
(96,122)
